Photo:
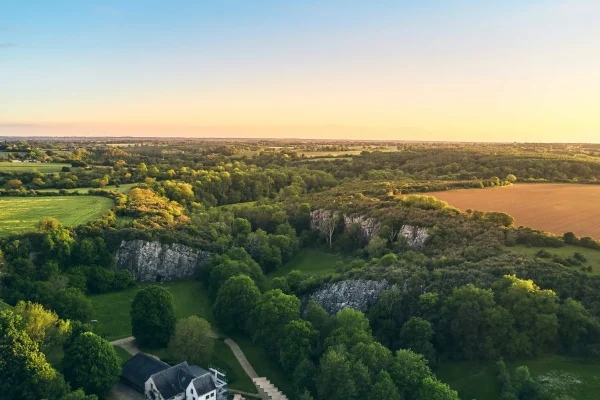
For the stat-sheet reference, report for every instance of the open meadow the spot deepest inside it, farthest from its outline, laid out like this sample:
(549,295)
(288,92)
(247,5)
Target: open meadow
(124,188)
(21,214)
(309,261)
(112,309)
(592,256)
(555,208)
(45,168)
(559,375)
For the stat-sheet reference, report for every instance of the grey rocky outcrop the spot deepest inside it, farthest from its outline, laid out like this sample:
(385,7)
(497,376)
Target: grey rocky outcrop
(356,294)
(156,262)
(370,227)
(416,236)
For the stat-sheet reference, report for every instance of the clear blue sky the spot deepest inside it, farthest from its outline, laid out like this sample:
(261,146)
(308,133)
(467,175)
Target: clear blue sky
(450,70)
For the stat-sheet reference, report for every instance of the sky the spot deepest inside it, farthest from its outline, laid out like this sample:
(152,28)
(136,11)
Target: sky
(455,70)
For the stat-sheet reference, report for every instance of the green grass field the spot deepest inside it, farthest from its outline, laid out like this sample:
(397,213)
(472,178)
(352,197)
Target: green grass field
(124,188)
(45,168)
(265,365)
(474,380)
(222,358)
(112,309)
(593,256)
(122,353)
(21,214)
(311,261)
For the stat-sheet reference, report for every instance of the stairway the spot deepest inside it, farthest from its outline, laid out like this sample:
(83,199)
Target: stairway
(267,390)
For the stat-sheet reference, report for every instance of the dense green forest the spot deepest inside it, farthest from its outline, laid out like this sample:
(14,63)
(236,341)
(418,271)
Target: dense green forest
(459,294)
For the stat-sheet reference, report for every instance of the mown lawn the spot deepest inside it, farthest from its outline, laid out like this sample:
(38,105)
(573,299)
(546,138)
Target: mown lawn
(264,365)
(21,214)
(593,256)
(45,168)
(122,353)
(112,309)
(563,376)
(311,261)
(222,358)
(124,188)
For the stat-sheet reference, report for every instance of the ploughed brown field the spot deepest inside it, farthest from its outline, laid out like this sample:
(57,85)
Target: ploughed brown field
(555,208)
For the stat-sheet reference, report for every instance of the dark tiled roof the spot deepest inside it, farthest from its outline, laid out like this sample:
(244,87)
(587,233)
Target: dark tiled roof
(204,384)
(197,371)
(174,380)
(139,368)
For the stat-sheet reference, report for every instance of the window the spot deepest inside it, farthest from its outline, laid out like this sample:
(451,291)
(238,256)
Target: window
(207,396)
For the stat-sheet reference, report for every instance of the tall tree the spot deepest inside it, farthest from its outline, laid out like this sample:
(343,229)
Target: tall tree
(24,371)
(298,342)
(92,364)
(192,340)
(335,380)
(416,335)
(384,388)
(235,301)
(152,317)
(273,312)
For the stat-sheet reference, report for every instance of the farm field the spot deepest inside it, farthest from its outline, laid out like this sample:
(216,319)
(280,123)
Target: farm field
(311,261)
(593,256)
(46,168)
(20,214)
(112,309)
(555,208)
(474,380)
(124,188)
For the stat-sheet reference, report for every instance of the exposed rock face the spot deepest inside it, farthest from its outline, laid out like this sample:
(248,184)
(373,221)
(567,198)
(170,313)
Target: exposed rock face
(416,236)
(155,261)
(370,227)
(318,217)
(356,294)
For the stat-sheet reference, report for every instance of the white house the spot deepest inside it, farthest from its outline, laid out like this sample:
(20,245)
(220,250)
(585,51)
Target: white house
(159,381)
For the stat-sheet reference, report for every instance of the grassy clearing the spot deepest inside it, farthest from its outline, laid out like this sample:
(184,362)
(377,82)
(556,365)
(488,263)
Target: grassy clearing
(45,168)
(593,256)
(264,365)
(124,188)
(112,309)
(311,261)
(245,204)
(122,353)
(21,214)
(222,358)
(478,381)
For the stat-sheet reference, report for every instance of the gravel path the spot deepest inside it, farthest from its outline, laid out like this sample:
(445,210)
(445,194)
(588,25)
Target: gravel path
(128,344)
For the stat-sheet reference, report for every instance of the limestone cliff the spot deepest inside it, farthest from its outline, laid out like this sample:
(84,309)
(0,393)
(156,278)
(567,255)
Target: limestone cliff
(416,236)
(155,261)
(356,294)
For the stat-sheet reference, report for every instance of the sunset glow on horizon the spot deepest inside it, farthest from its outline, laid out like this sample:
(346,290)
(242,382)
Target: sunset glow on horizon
(429,70)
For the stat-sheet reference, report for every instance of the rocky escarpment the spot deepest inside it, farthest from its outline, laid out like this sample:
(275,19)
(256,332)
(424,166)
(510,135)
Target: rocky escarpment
(356,294)
(156,262)
(416,236)
(327,221)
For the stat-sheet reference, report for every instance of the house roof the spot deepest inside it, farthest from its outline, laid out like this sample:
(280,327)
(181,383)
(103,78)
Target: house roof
(197,371)
(139,368)
(174,380)
(204,384)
